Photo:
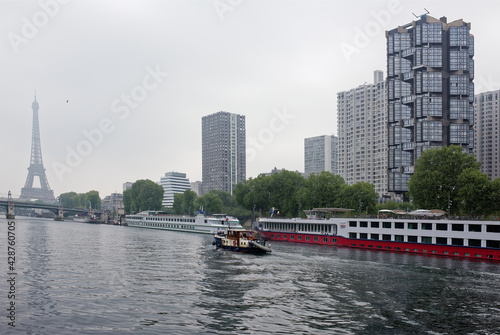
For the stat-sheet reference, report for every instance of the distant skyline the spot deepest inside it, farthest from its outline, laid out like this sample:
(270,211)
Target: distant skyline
(122,86)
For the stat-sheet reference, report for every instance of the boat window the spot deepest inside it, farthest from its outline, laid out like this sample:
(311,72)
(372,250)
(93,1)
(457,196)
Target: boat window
(493,228)
(363,224)
(475,228)
(363,235)
(474,243)
(412,225)
(426,239)
(299,237)
(387,225)
(441,240)
(353,235)
(399,225)
(315,238)
(308,238)
(334,240)
(375,225)
(284,236)
(292,237)
(412,239)
(399,238)
(386,237)
(441,226)
(353,224)
(492,244)
(457,227)
(374,236)
(325,239)
(277,235)
(426,226)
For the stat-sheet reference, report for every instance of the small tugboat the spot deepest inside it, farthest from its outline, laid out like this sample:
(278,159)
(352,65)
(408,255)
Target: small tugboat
(240,240)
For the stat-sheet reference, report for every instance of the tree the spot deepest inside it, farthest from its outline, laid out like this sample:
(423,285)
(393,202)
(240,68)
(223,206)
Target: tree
(92,199)
(188,199)
(321,190)
(475,193)
(143,195)
(209,202)
(178,200)
(361,197)
(434,185)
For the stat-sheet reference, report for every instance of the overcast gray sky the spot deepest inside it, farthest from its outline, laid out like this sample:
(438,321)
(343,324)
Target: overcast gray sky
(123,85)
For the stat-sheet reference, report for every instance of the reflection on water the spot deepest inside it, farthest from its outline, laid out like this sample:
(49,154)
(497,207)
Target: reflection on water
(83,278)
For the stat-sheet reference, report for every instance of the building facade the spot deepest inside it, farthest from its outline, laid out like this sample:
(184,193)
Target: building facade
(486,132)
(223,151)
(362,134)
(112,203)
(172,183)
(320,154)
(430,71)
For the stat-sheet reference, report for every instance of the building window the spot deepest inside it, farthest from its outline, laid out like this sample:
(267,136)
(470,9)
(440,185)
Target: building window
(474,243)
(426,239)
(441,240)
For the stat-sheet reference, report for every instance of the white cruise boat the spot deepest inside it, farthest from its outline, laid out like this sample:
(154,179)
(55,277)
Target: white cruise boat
(200,223)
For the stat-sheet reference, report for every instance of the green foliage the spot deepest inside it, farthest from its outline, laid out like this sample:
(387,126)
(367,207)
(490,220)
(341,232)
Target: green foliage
(361,197)
(184,202)
(435,183)
(143,195)
(322,190)
(288,192)
(474,192)
(80,200)
(210,202)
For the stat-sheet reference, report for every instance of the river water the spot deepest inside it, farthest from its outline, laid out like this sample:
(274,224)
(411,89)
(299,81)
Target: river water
(77,278)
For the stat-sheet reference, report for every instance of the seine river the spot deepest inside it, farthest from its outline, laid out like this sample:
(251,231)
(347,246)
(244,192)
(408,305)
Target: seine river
(77,278)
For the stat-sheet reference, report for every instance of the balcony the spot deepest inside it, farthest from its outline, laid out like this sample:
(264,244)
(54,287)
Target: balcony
(408,99)
(408,76)
(408,52)
(408,123)
(409,146)
(408,169)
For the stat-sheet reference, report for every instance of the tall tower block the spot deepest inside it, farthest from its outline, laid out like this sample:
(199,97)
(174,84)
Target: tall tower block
(36,169)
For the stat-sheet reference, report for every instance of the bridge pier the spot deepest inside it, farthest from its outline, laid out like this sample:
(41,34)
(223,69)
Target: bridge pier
(60,214)
(10,210)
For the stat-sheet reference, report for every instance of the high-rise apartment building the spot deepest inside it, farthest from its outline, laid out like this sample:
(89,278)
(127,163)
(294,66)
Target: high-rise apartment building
(223,151)
(320,154)
(430,71)
(362,134)
(486,132)
(173,182)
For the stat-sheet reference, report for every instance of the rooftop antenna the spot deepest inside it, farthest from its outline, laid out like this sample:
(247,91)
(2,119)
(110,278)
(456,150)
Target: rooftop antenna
(417,16)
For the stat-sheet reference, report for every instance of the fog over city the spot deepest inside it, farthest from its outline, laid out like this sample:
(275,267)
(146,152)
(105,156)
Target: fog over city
(122,85)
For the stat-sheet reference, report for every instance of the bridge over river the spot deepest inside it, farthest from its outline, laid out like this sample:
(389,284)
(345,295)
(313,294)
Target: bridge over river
(10,205)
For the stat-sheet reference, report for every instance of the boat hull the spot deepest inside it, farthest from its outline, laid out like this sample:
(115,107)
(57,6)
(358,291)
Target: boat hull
(406,247)
(251,247)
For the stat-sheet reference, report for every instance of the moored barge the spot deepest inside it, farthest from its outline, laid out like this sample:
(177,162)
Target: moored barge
(422,232)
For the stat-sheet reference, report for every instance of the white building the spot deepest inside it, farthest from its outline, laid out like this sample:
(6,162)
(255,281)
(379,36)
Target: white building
(362,134)
(320,154)
(173,182)
(486,132)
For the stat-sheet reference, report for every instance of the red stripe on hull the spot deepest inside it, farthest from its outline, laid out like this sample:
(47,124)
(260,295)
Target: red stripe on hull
(406,247)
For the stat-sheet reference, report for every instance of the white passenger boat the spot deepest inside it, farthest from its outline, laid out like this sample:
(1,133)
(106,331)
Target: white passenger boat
(202,224)
(422,232)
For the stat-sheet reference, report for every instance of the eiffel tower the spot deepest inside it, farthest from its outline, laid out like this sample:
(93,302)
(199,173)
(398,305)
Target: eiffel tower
(36,169)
